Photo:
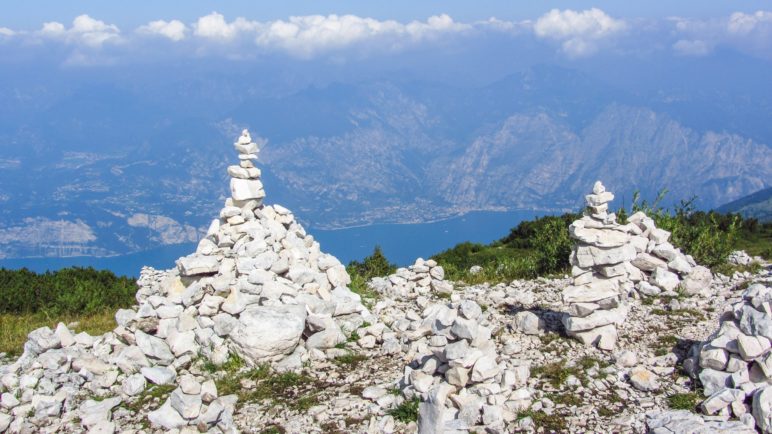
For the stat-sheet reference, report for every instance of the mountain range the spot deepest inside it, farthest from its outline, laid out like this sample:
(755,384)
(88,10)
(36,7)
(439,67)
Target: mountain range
(109,168)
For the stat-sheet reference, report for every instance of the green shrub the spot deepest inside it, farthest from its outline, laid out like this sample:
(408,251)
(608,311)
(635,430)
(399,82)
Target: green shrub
(708,236)
(69,290)
(552,244)
(533,248)
(406,412)
(374,265)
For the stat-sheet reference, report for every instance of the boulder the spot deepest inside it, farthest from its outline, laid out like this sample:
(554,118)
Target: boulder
(268,331)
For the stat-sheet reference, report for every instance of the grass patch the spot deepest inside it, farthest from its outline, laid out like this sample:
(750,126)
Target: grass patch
(555,373)
(14,328)
(273,429)
(607,412)
(152,393)
(683,401)
(588,362)
(349,359)
(548,422)
(565,398)
(288,389)
(693,313)
(406,412)
(728,269)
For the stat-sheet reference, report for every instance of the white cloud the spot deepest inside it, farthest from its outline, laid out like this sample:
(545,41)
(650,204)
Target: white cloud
(749,33)
(579,32)
(694,47)
(5,31)
(741,23)
(306,36)
(175,30)
(214,26)
(85,30)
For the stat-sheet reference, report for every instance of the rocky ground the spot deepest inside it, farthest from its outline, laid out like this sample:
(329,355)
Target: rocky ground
(356,387)
(574,388)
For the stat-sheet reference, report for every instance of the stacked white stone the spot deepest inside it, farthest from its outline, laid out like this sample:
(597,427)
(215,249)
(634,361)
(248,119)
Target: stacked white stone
(462,382)
(736,361)
(421,278)
(600,267)
(245,178)
(663,267)
(257,286)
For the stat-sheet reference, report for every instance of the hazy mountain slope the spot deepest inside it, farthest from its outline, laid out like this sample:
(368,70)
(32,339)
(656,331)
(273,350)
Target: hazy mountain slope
(127,170)
(535,159)
(757,205)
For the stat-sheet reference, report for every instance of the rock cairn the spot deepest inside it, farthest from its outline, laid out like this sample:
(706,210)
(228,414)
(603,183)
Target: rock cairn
(421,278)
(736,361)
(257,286)
(458,375)
(600,264)
(610,260)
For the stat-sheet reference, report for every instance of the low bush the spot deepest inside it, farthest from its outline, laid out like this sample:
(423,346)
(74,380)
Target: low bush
(533,248)
(375,265)
(67,291)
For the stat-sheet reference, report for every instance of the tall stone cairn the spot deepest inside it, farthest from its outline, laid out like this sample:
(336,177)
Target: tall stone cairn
(257,287)
(600,267)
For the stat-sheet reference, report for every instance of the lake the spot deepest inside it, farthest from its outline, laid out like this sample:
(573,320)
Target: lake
(401,243)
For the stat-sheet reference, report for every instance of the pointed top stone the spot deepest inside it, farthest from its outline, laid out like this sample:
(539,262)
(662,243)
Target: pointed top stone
(598,188)
(245,138)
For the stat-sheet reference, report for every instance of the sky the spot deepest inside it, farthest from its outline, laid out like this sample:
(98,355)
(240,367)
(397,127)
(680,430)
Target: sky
(95,33)
(29,14)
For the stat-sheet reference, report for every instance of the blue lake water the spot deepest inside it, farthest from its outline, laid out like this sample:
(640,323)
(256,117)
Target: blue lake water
(401,243)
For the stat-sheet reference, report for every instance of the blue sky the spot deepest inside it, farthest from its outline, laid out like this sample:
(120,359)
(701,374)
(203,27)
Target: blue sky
(30,14)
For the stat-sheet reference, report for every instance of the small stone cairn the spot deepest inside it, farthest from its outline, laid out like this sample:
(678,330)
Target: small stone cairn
(610,260)
(735,364)
(257,286)
(462,382)
(419,279)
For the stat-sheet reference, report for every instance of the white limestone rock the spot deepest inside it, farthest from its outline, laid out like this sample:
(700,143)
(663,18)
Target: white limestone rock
(268,331)
(193,265)
(246,189)
(664,279)
(166,417)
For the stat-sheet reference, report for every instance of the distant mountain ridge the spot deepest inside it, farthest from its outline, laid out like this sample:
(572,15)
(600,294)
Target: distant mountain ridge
(757,205)
(146,172)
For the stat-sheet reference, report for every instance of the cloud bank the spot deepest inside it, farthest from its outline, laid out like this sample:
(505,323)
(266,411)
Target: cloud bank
(578,32)
(84,31)
(573,34)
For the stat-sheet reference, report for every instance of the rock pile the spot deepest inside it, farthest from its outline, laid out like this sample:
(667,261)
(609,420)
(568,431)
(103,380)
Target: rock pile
(736,361)
(610,260)
(418,279)
(257,286)
(739,257)
(663,268)
(458,375)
